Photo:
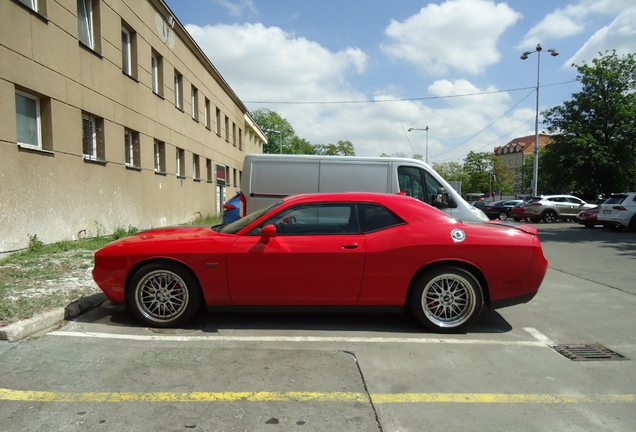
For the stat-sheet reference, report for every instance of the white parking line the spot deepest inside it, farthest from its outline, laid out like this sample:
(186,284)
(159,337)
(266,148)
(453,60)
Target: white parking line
(540,342)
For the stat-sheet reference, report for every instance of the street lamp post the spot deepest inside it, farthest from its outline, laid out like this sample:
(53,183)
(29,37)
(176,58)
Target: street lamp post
(280,140)
(535,174)
(425,129)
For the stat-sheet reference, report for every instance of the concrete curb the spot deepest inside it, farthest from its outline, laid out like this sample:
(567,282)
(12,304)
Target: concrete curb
(45,321)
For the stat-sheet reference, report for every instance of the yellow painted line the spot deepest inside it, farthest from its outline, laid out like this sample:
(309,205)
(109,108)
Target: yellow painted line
(44,396)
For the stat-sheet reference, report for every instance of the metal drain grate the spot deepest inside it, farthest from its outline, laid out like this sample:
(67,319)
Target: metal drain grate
(588,352)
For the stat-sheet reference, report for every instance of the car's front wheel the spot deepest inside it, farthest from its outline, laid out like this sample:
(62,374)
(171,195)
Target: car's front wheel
(549,216)
(446,299)
(163,294)
(502,216)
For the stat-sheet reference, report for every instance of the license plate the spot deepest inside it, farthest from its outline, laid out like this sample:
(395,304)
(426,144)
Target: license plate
(607,211)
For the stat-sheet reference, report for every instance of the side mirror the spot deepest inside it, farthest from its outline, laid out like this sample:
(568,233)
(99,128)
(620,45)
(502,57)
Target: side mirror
(267,233)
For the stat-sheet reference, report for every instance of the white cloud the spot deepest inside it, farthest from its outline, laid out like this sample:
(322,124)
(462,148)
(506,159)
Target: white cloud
(268,63)
(458,34)
(620,35)
(237,8)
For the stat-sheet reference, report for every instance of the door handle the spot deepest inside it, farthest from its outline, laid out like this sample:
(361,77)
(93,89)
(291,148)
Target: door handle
(350,245)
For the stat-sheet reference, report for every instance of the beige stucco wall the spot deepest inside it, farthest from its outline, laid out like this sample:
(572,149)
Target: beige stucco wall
(58,195)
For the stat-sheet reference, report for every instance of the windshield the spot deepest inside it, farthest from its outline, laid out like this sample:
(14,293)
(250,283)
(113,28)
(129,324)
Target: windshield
(235,227)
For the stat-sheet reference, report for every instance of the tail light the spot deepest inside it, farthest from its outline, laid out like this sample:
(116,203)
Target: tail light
(620,208)
(536,204)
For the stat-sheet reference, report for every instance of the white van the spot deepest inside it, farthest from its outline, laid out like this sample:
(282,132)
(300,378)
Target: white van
(269,177)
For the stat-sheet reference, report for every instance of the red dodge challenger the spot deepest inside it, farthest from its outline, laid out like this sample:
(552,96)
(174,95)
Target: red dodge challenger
(361,250)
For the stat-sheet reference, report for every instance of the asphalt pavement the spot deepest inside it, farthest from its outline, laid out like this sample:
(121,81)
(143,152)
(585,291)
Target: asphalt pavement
(322,372)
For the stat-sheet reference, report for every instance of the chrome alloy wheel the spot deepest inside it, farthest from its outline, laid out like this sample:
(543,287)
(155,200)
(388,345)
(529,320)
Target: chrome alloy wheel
(161,295)
(448,300)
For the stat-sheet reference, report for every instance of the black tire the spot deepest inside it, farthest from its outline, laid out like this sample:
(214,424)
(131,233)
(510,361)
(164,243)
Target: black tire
(163,294)
(502,216)
(588,226)
(549,216)
(632,223)
(446,299)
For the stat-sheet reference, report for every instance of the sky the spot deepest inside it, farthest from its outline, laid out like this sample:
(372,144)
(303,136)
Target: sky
(368,70)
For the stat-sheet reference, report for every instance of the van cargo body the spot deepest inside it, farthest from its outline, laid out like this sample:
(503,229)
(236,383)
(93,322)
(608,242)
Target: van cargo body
(269,177)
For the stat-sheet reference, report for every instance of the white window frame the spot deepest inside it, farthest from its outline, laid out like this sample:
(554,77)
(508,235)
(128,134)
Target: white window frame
(196,167)
(180,163)
(178,81)
(31,4)
(194,102)
(86,24)
(92,123)
(126,51)
(160,157)
(33,123)
(156,70)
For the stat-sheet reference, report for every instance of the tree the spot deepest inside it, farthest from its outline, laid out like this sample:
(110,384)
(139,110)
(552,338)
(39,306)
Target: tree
(593,147)
(486,173)
(452,171)
(278,130)
(342,148)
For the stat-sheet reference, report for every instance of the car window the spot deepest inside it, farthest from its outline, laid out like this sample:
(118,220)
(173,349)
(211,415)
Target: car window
(235,227)
(575,200)
(616,199)
(557,199)
(314,219)
(375,217)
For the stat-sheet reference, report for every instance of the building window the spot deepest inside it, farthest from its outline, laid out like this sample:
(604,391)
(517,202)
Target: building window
(180,163)
(207,113)
(208,170)
(218,122)
(157,74)
(194,103)
(28,120)
(92,137)
(234,134)
(227,129)
(128,51)
(240,139)
(178,90)
(132,148)
(196,167)
(88,23)
(160,157)
(34,5)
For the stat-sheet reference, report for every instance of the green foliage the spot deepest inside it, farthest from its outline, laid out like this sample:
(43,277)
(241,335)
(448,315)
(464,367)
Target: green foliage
(281,137)
(594,134)
(35,245)
(122,232)
(485,173)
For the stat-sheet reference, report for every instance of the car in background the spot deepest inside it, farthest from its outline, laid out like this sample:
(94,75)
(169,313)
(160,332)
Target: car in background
(588,218)
(549,208)
(500,209)
(232,209)
(479,204)
(354,250)
(518,212)
(619,211)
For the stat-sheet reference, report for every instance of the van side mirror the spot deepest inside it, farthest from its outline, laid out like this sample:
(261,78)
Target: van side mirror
(268,232)
(444,199)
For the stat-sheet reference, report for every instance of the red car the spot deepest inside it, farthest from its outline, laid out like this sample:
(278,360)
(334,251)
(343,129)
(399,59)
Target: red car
(588,218)
(355,249)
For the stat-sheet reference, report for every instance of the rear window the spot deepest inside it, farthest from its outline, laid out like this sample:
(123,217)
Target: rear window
(616,199)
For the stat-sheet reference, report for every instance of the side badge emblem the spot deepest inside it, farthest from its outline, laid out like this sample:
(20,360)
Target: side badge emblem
(458,235)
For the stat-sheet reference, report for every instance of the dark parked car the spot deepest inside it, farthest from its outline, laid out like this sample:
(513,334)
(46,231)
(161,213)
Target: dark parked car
(500,209)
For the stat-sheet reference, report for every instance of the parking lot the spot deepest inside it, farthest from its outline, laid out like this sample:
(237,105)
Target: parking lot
(323,372)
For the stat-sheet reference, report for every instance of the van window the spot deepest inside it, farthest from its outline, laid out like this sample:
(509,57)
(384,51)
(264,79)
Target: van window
(418,183)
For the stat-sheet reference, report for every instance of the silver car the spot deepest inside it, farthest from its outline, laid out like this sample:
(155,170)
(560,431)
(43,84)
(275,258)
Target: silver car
(549,208)
(619,211)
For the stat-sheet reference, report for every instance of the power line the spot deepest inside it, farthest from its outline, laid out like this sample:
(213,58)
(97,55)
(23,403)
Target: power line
(403,99)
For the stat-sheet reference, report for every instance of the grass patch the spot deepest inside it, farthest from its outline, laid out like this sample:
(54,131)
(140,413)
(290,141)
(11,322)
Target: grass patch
(47,276)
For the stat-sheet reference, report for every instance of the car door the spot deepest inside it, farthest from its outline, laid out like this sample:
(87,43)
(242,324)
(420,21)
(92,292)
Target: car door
(316,258)
(562,206)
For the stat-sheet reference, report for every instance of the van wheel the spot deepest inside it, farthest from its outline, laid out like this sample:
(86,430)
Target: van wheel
(549,216)
(446,299)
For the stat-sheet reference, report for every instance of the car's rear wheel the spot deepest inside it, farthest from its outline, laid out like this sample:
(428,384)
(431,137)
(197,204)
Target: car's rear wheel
(549,216)
(502,215)
(446,299)
(163,294)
